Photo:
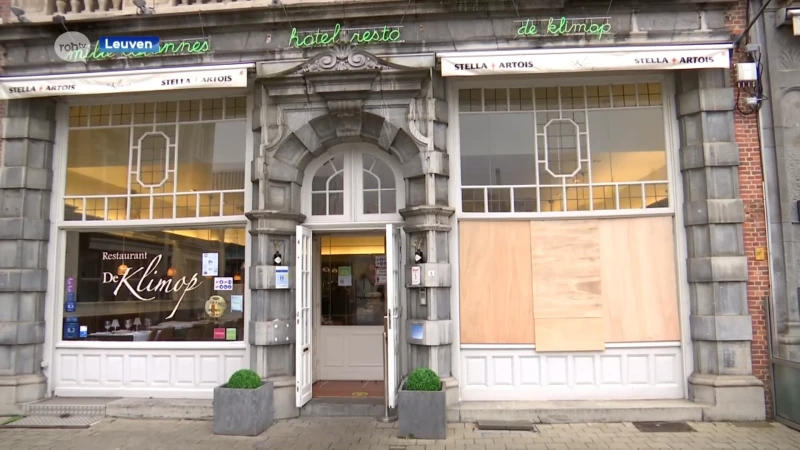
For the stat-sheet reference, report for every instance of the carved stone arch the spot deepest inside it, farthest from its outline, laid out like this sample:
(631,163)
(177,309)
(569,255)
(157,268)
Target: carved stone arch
(293,154)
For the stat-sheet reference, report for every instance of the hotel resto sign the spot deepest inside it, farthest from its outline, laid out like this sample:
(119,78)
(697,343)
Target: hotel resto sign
(584,59)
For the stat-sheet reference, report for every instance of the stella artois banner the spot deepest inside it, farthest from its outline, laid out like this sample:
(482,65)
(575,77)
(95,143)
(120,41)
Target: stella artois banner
(585,60)
(124,82)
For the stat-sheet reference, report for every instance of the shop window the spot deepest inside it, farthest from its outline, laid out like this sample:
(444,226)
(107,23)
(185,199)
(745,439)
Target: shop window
(563,148)
(159,285)
(353,185)
(156,160)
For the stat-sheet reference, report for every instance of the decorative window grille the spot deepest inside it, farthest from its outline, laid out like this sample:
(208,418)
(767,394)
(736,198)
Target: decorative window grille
(563,148)
(156,160)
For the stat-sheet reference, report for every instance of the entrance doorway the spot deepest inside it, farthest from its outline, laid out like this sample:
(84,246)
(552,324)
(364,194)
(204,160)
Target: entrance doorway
(350,289)
(348,311)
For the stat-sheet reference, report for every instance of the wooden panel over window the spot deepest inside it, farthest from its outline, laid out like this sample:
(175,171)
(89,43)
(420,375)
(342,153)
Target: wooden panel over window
(640,288)
(495,267)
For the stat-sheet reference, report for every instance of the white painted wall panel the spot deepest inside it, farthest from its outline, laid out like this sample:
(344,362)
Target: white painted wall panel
(496,373)
(167,373)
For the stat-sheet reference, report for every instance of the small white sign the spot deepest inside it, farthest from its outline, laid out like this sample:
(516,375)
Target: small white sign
(237,303)
(416,276)
(210,264)
(223,284)
(281,277)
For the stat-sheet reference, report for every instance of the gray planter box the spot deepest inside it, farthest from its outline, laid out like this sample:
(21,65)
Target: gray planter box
(243,412)
(422,414)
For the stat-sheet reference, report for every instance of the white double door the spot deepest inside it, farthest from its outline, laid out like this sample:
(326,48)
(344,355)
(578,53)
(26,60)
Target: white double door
(345,352)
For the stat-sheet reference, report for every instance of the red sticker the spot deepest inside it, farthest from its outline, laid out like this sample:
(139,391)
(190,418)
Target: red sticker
(219,333)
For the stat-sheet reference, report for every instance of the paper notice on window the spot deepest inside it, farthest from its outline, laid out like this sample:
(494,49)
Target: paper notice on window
(345,276)
(237,303)
(210,264)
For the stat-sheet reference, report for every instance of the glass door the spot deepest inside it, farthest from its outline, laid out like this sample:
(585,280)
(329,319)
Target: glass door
(785,367)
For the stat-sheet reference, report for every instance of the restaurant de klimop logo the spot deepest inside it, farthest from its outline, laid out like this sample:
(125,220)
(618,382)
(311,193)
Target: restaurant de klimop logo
(72,46)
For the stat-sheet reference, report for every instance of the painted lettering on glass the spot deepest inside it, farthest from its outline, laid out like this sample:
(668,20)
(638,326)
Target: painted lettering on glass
(339,34)
(143,283)
(563,26)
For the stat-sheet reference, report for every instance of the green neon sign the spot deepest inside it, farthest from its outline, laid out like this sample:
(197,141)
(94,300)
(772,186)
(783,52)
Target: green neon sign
(193,47)
(322,38)
(562,27)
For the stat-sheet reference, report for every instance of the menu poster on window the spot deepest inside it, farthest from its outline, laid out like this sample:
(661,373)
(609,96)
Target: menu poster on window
(345,276)
(210,264)
(71,328)
(237,303)
(380,270)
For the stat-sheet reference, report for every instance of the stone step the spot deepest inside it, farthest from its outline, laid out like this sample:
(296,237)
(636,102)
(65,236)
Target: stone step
(343,407)
(68,406)
(578,411)
(140,408)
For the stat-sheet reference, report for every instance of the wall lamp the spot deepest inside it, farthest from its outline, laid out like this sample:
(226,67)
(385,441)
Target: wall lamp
(277,258)
(419,257)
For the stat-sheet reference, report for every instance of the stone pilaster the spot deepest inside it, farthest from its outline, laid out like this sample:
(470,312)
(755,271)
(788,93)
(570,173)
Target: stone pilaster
(427,227)
(275,214)
(721,328)
(25,184)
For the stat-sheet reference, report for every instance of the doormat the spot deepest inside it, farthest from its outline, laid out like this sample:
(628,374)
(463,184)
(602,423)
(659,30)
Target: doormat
(506,425)
(663,427)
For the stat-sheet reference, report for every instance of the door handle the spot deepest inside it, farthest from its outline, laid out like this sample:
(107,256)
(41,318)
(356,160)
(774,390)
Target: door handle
(305,350)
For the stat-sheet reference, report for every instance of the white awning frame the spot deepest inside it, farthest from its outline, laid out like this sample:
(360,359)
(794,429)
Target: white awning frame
(125,81)
(585,59)
(585,49)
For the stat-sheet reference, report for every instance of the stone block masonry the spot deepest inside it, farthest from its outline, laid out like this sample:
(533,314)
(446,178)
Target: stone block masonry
(755,230)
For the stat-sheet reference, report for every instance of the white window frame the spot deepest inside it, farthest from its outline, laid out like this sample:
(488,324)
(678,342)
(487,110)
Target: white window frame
(667,103)
(54,299)
(353,187)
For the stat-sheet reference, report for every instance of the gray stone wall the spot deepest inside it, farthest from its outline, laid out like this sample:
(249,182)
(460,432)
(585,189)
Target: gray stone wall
(25,185)
(721,328)
(780,53)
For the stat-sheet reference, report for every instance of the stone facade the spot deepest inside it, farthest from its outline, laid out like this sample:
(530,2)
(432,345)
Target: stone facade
(308,100)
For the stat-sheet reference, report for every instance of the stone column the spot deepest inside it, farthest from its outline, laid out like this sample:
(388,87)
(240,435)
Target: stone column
(721,328)
(427,227)
(25,183)
(275,214)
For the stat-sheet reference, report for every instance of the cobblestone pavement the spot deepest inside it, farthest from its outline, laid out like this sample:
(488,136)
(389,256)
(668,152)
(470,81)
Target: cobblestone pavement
(362,433)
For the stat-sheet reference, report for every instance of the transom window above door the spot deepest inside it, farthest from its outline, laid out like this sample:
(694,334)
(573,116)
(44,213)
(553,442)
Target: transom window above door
(353,183)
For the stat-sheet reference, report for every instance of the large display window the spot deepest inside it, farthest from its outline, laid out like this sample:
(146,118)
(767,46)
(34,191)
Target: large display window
(180,164)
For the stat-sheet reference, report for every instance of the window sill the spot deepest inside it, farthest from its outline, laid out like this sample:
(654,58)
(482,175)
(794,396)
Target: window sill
(154,345)
(606,214)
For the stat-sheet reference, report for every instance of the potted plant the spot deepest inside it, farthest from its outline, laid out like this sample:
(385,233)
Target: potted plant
(422,406)
(244,405)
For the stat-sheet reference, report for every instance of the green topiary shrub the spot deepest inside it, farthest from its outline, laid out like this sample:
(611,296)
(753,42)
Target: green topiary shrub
(244,379)
(423,379)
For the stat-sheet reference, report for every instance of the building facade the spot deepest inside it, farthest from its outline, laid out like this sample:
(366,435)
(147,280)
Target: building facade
(546,204)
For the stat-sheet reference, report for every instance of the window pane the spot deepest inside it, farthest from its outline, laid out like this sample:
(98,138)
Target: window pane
(388,201)
(627,145)
(472,200)
(149,285)
(561,145)
(335,204)
(499,200)
(371,202)
(318,204)
(497,149)
(525,200)
(320,181)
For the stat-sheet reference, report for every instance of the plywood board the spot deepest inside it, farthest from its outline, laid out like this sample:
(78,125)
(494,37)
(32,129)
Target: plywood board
(570,334)
(496,302)
(566,272)
(639,281)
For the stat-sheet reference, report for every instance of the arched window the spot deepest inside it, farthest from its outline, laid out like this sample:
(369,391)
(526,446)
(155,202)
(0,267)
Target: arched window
(352,183)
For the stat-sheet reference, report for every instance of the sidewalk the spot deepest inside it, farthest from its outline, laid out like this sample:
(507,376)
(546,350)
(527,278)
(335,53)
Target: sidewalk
(362,433)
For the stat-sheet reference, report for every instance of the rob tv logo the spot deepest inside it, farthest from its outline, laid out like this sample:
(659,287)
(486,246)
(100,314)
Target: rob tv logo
(128,44)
